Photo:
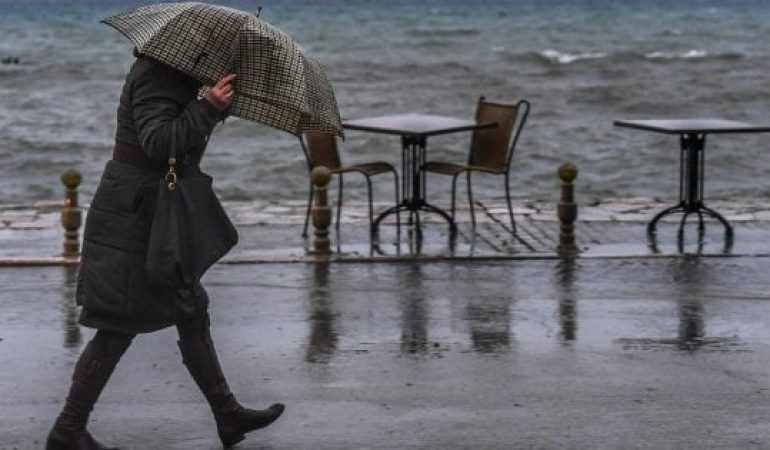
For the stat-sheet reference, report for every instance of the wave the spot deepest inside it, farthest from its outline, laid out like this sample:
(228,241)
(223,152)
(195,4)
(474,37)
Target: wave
(569,58)
(694,54)
(552,56)
(689,54)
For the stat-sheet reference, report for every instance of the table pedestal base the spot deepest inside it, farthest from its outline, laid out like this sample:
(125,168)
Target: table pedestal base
(691,167)
(686,209)
(653,241)
(414,209)
(413,187)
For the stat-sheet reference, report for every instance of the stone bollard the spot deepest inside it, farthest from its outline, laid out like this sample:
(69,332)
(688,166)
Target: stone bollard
(71,215)
(567,211)
(322,214)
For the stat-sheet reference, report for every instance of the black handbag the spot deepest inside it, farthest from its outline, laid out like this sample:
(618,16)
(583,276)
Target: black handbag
(190,230)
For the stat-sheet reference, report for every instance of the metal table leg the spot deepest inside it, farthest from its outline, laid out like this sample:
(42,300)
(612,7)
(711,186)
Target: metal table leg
(691,173)
(413,186)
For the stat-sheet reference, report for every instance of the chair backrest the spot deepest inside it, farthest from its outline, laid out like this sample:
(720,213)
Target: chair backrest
(321,150)
(493,148)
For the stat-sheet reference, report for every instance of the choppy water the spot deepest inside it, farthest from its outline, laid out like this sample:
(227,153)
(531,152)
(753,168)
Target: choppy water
(582,63)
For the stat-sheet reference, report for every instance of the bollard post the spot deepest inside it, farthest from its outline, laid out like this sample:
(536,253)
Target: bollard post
(567,211)
(322,215)
(71,215)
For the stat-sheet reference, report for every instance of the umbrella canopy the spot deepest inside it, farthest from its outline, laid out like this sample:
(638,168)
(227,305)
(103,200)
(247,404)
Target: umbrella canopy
(276,84)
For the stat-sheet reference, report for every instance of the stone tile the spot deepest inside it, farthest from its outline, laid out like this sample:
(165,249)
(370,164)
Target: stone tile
(762,215)
(523,211)
(17,215)
(545,217)
(740,217)
(277,209)
(53,218)
(626,207)
(356,214)
(48,205)
(247,219)
(633,217)
(595,214)
(35,225)
(630,200)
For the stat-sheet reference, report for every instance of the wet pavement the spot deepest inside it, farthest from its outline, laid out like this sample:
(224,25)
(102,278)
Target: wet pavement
(270,232)
(624,347)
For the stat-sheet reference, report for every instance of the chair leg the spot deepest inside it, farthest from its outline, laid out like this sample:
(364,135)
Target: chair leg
(339,203)
(454,196)
(371,207)
(508,200)
(398,212)
(470,199)
(309,207)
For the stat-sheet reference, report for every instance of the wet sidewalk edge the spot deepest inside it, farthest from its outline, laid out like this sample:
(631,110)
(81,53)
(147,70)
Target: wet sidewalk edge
(32,236)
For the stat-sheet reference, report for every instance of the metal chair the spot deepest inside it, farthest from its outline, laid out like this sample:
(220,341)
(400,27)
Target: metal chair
(491,149)
(321,150)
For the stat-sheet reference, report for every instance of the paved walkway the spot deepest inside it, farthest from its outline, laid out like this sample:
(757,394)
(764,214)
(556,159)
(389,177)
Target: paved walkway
(642,353)
(270,232)
(495,345)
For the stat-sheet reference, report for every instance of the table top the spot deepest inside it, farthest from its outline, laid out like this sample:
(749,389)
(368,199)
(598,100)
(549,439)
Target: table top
(686,126)
(413,124)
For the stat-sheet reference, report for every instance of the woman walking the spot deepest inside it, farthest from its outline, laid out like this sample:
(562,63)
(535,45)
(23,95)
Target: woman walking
(158,109)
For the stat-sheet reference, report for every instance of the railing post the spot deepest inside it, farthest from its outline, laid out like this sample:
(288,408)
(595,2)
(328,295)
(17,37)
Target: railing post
(567,211)
(322,215)
(71,214)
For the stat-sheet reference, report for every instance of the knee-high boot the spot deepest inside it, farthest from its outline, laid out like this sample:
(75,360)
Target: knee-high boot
(92,371)
(232,419)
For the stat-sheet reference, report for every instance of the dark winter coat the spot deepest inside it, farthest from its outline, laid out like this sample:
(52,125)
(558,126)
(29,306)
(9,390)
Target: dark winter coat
(158,107)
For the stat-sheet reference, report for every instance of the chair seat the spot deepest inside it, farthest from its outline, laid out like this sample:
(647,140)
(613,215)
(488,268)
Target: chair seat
(452,169)
(443,168)
(372,168)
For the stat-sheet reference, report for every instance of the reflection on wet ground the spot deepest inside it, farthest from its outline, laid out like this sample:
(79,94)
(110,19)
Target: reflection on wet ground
(565,279)
(71,329)
(493,334)
(322,341)
(421,307)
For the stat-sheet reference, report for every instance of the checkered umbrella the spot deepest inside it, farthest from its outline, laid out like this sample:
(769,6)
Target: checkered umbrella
(276,83)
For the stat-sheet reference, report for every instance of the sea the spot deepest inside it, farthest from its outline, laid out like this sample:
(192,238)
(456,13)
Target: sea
(581,63)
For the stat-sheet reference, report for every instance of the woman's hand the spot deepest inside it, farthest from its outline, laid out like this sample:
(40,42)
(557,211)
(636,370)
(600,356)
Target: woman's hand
(220,94)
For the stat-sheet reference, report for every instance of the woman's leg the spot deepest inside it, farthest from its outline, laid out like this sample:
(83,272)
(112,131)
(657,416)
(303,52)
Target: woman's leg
(92,371)
(200,357)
